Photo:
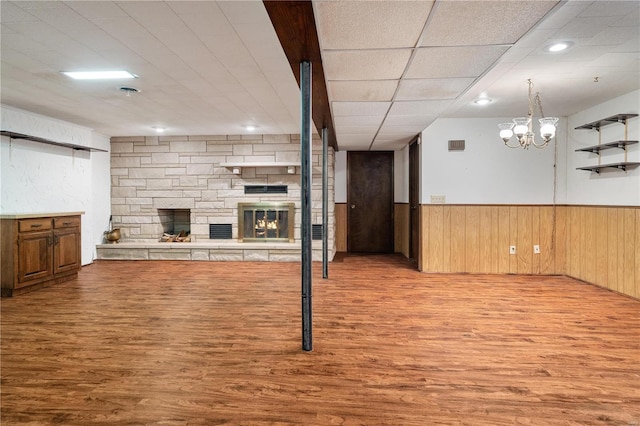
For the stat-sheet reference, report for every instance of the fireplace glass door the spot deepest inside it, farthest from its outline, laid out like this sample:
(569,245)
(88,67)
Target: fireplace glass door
(268,222)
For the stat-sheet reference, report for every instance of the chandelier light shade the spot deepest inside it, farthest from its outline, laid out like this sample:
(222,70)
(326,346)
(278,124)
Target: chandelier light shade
(522,127)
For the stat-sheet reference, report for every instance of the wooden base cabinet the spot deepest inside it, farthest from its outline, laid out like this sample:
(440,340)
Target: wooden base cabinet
(39,251)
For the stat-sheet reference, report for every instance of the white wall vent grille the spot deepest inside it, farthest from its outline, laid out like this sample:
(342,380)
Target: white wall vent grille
(456,145)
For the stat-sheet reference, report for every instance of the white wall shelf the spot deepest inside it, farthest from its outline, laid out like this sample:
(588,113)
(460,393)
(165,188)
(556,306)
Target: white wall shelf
(236,167)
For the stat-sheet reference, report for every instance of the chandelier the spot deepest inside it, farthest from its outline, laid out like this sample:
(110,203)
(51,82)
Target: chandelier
(522,127)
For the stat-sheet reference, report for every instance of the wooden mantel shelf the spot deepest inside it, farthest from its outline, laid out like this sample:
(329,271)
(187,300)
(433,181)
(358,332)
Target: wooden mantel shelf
(236,167)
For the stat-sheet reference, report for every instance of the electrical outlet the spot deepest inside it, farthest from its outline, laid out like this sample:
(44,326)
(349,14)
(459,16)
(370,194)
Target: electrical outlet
(437,199)
(536,249)
(512,249)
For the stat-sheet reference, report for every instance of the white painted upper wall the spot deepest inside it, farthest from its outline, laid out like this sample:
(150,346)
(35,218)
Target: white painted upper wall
(341,177)
(486,172)
(41,178)
(401,175)
(611,186)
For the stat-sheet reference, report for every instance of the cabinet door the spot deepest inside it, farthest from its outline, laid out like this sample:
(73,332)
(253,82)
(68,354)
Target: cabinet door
(66,250)
(35,257)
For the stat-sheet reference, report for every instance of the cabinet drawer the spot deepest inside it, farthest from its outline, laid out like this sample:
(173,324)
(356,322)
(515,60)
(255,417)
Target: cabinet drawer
(66,222)
(41,224)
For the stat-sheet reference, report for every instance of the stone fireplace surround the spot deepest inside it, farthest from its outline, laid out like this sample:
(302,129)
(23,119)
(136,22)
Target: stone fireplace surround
(151,174)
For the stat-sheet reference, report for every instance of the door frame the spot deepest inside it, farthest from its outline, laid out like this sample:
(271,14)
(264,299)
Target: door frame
(349,199)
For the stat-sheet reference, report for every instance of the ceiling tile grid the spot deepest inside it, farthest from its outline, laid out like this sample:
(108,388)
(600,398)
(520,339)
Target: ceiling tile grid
(391,66)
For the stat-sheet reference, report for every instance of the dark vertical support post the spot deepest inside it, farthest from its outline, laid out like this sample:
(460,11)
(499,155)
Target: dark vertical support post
(305,186)
(325,203)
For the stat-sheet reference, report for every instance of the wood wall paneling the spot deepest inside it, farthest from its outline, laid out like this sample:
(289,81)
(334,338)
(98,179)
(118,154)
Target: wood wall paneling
(524,241)
(504,240)
(435,248)
(341,226)
(472,236)
(534,240)
(560,240)
(401,228)
(513,239)
(629,282)
(601,244)
(620,258)
(485,239)
(446,235)
(637,255)
(545,240)
(612,249)
(601,247)
(458,239)
(587,233)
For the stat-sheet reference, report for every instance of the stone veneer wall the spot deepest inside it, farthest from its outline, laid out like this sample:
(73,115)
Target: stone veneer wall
(185,172)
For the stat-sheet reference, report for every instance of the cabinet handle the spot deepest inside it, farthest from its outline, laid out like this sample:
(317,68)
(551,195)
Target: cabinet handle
(49,240)
(56,240)
(36,225)
(66,223)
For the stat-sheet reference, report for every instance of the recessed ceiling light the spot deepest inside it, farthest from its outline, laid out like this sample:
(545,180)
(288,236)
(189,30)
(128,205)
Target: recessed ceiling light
(559,47)
(483,101)
(249,127)
(99,75)
(158,129)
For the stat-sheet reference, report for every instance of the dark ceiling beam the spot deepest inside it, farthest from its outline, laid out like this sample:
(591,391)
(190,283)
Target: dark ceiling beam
(295,26)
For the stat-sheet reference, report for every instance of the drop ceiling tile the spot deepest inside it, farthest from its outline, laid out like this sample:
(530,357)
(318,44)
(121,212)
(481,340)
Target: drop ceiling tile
(375,90)
(63,19)
(353,142)
(359,130)
(393,144)
(432,89)
(365,64)
(11,12)
(447,62)
(97,9)
(614,35)
(244,12)
(370,25)
(29,5)
(409,120)
(584,27)
(358,120)
(603,8)
(482,22)
(359,108)
(21,42)
(123,29)
(419,107)
(389,130)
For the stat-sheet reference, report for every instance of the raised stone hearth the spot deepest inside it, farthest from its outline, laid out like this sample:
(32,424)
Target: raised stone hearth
(229,251)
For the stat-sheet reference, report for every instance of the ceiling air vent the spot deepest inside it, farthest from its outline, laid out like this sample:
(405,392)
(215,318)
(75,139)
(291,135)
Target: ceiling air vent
(456,145)
(265,189)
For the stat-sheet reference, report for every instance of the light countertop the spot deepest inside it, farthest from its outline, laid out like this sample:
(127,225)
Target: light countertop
(35,215)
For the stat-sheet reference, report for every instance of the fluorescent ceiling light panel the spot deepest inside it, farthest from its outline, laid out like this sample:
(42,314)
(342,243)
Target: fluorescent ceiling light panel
(98,75)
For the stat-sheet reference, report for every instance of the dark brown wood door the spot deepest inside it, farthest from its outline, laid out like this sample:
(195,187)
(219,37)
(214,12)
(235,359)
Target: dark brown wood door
(370,201)
(414,200)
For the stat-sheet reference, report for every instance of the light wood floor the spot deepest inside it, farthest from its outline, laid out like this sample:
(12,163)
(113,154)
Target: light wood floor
(204,343)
